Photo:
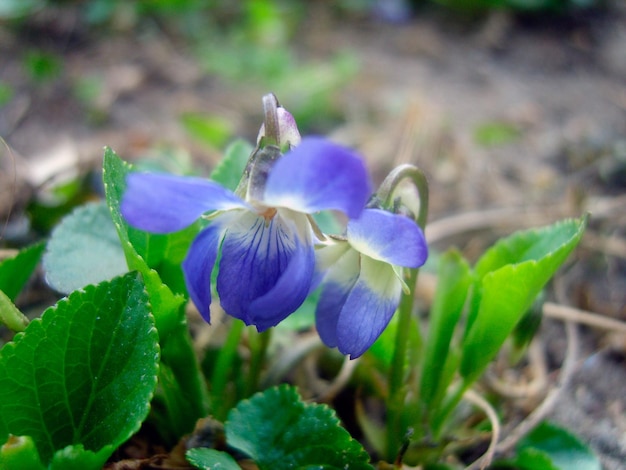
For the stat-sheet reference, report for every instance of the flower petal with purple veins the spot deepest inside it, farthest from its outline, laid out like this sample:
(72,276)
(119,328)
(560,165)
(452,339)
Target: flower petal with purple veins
(319,175)
(163,203)
(369,307)
(392,238)
(265,269)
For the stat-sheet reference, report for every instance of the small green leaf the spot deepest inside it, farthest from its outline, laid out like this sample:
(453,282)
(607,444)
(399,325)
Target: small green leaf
(211,459)
(454,280)
(14,272)
(84,373)
(230,169)
(20,452)
(278,430)
(509,277)
(10,315)
(83,249)
(532,459)
(75,457)
(565,450)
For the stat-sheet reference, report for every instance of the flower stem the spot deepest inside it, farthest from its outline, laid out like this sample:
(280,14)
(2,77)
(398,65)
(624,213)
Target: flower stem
(223,368)
(397,388)
(391,182)
(258,351)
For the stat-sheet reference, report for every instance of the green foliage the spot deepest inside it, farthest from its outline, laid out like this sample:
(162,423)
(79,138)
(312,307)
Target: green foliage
(10,315)
(15,272)
(510,275)
(454,280)
(211,459)
(83,249)
(549,447)
(278,430)
(181,397)
(46,211)
(20,452)
(64,375)
(229,170)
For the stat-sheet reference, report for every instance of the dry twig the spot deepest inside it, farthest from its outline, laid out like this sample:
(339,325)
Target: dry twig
(567,371)
(486,459)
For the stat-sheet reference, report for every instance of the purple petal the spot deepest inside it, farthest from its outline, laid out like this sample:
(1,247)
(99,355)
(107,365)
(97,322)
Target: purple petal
(335,290)
(388,237)
(265,269)
(163,203)
(198,266)
(290,291)
(319,175)
(369,307)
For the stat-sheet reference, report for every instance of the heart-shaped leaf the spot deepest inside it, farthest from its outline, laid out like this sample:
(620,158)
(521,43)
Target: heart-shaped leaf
(278,430)
(84,373)
(83,249)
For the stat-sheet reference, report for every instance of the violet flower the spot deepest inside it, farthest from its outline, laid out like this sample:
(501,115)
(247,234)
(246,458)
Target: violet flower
(262,242)
(363,283)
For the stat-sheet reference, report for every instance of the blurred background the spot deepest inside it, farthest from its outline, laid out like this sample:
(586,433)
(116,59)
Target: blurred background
(515,109)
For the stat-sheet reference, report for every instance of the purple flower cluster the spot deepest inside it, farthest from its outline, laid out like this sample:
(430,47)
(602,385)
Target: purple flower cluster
(266,251)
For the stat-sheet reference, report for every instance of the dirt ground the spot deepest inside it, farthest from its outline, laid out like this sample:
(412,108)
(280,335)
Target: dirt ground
(423,91)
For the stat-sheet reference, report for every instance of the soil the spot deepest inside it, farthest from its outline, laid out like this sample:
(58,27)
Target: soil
(426,89)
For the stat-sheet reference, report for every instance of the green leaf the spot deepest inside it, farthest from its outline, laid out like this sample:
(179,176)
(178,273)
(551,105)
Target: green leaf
(75,457)
(278,430)
(83,249)
(84,373)
(179,366)
(211,459)
(14,272)
(565,451)
(20,452)
(454,280)
(532,459)
(10,315)
(510,275)
(230,169)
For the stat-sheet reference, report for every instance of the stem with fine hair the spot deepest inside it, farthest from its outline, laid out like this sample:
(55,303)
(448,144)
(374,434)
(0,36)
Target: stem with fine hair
(397,389)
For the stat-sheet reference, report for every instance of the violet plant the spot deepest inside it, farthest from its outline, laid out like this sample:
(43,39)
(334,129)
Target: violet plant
(289,228)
